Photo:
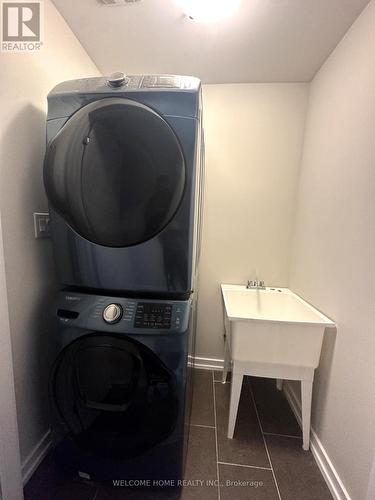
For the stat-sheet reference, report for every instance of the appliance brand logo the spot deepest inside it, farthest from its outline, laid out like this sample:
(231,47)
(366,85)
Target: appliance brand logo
(21,26)
(72,298)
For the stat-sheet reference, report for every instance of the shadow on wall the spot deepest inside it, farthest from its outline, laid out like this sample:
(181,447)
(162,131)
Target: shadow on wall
(31,282)
(323,372)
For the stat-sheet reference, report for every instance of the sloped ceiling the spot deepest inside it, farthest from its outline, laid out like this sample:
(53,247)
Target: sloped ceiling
(265,41)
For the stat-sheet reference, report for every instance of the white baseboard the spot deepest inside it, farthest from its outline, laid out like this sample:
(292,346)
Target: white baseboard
(36,456)
(208,363)
(334,483)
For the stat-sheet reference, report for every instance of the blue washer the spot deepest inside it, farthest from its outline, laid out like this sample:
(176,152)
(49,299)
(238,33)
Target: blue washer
(120,393)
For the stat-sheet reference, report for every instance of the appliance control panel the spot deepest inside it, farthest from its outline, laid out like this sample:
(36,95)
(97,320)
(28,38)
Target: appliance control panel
(123,315)
(153,315)
(162,81)
(119,82)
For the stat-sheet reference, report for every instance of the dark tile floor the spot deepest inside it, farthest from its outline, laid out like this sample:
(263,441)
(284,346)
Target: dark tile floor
(264,461)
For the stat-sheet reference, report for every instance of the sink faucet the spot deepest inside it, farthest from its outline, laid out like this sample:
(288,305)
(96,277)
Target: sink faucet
(255,284)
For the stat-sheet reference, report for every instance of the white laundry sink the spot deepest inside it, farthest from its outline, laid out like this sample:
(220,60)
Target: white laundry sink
(273,325)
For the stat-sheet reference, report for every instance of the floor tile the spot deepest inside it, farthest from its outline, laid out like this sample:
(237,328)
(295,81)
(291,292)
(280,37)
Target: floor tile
(297,473)
(43,471)
(119,493)
(49,483)
(202,412)
(58,487)
(201,469)
(129,493)
(244,483)
(247,446)
(200,472)
(274,411)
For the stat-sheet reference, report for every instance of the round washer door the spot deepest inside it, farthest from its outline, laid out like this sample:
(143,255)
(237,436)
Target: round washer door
(115,172)
(113,396)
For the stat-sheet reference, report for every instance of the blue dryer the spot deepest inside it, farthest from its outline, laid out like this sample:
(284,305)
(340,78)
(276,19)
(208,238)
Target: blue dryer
(119,389)
(123,174)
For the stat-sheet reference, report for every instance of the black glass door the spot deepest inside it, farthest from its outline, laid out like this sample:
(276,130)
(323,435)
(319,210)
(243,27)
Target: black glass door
(115,172)
(114,397)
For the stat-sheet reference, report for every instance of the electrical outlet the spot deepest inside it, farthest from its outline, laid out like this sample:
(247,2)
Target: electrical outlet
(41,225)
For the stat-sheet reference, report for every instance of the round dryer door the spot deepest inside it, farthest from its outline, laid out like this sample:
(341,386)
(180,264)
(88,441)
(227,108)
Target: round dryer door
(115,172)
(113,396)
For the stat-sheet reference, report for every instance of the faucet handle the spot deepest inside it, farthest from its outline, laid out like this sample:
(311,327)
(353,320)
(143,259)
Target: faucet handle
(261,283)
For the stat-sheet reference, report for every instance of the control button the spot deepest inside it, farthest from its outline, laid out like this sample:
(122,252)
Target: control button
(112,313)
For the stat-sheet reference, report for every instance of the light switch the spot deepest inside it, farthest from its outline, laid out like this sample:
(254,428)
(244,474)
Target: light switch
(41,225)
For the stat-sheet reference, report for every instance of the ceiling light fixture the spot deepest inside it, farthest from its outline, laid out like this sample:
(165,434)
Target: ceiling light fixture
(209,11)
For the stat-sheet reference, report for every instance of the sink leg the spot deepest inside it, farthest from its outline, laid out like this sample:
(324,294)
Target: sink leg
(235,394)
(306,393)
(226,360)
(279,384)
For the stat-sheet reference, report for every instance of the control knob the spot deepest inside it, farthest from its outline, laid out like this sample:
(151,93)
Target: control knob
(112,313)
(117,80)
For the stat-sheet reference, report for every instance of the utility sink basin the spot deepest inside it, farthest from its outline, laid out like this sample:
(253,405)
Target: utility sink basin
(273,325)
(272,333)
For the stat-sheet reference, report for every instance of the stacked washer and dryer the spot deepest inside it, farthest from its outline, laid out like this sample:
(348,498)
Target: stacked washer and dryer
(123,173)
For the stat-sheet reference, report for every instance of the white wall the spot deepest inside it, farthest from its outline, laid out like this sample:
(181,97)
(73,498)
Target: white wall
(254,136)
(10,460)
(334,249)
(25,80)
